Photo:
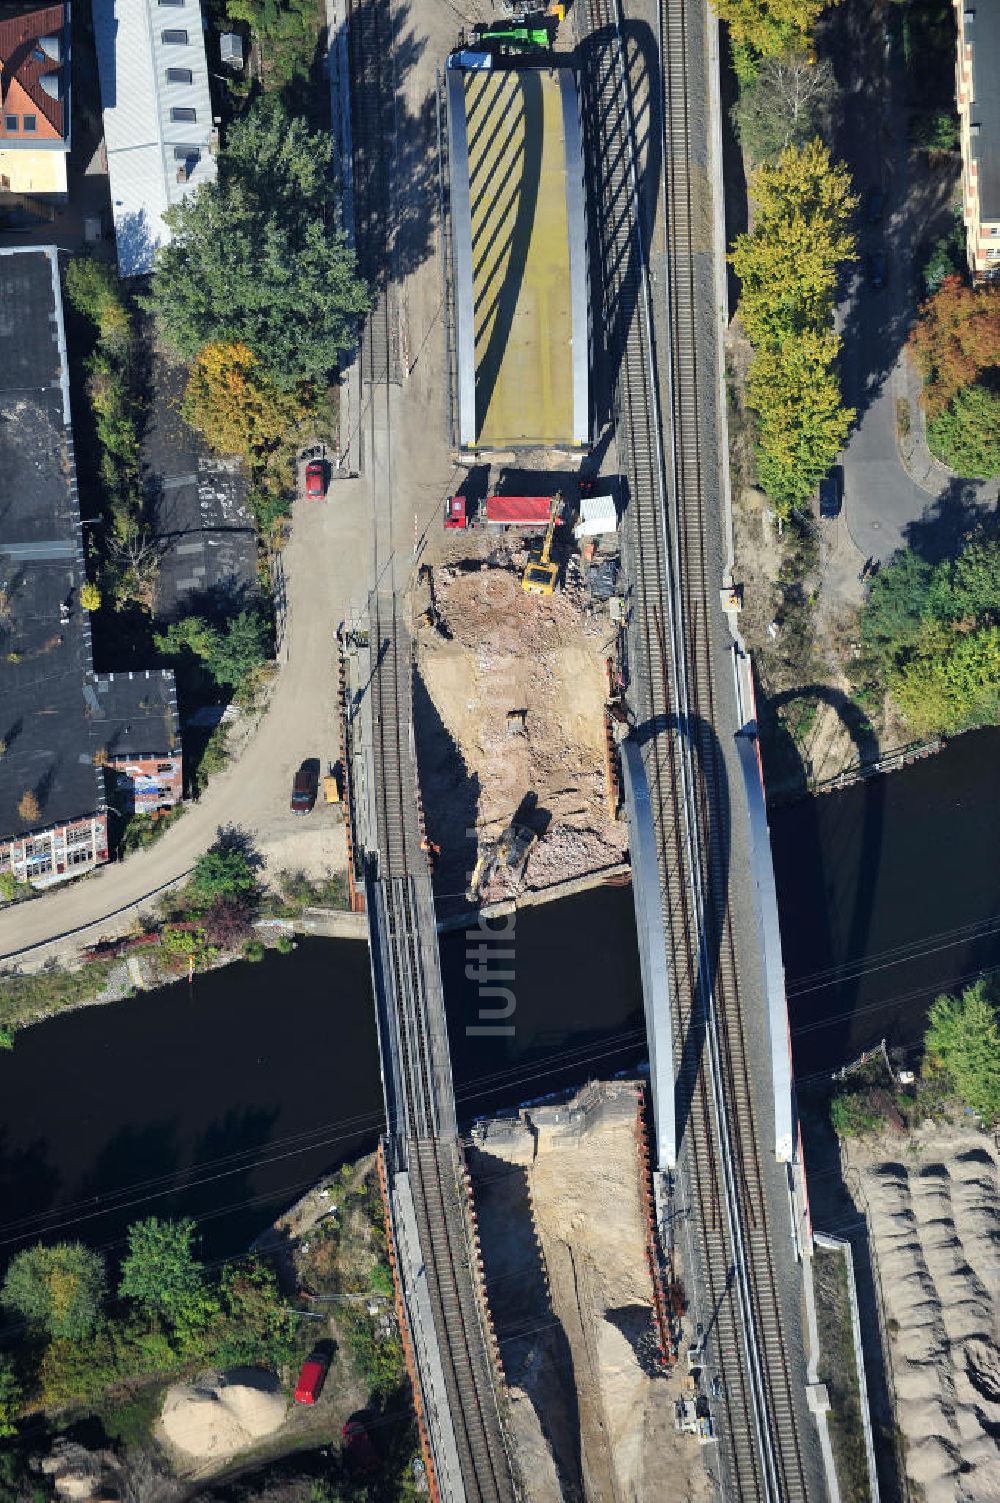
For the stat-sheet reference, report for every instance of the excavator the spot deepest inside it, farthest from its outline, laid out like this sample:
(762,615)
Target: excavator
(540,575)
(512,849)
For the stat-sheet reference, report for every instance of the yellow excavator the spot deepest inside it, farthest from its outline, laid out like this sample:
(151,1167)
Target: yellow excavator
(539,578)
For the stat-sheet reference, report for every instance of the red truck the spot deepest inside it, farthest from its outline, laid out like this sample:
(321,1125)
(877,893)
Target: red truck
(311,1378)
(499,511)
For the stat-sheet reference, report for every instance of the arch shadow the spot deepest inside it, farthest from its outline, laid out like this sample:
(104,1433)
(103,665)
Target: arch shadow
(503,303)
(615,287)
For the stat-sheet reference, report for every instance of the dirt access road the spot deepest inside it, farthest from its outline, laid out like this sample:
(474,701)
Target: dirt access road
(326,565)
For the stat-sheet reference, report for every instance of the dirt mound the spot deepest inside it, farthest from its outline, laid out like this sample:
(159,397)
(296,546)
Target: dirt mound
(933,1217)
(217,1417)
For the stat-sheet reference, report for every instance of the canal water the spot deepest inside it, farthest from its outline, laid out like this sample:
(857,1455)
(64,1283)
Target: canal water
(225,1099)
(889,894)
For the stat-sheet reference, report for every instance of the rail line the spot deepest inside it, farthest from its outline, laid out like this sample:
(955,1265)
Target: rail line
(673,674)
(425,1143)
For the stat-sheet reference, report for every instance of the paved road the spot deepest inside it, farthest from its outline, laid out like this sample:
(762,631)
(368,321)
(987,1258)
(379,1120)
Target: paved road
(326,565)
(887,506)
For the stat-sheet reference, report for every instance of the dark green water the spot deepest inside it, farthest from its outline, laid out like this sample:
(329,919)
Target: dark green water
(225,1099)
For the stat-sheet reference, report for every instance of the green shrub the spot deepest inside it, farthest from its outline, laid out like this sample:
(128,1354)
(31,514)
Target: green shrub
(963,1041)
(854,1114)
(253,951)
(57,1290)
(966,436)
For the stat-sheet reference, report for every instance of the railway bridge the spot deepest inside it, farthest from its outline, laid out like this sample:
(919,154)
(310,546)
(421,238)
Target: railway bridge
(443,1313)
(696,811)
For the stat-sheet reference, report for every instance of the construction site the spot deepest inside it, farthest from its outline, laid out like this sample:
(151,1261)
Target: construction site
(590,1323)
(517,691)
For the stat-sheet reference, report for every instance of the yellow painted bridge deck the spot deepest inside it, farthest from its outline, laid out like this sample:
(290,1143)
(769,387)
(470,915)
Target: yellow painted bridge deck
(521,294)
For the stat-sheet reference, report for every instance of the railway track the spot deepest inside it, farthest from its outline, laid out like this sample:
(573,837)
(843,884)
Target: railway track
(423,1129)
(372,86)
(673,671)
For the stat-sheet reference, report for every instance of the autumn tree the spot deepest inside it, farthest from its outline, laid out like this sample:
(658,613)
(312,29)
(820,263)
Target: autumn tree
(58,1290)
(956,340)
(252,259)
(802,422)
(236,405)
(770,28)
(28,806)
(788,268)
(787,265)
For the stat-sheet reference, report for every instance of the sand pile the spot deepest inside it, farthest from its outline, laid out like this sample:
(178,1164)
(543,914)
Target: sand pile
(218,1417)
(934,1216)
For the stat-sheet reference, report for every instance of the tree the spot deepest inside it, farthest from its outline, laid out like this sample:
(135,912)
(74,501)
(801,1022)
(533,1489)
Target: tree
(966,435)
(771,28)
(28,807)
(10,1398)
(226,870)
(784,105)
(787,265)
(286,31)
(801,420)
(228,655)
(951,682)
(90,596)
(251,260)
(896,605)
(93,290)
(161,1273)
(58,1290)
(956,340)
(232,401)
(963,1040)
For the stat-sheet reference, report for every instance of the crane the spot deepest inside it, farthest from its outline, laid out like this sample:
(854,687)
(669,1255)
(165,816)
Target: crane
(540,576)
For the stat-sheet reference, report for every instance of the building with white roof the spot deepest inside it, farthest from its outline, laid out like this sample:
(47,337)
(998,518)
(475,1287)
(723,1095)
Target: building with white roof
(157,117)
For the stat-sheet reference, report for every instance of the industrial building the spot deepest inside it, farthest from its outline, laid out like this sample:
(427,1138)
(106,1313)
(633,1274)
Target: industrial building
(66,732)
(519,250)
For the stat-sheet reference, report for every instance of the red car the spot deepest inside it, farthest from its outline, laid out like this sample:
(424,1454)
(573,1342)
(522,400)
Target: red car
(304,788)
(316,479)
(362,1457)
(311,1378)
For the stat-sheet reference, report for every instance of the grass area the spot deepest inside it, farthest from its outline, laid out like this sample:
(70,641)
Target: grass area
(25,999)
(838,1370)
(297,892)
(140,831)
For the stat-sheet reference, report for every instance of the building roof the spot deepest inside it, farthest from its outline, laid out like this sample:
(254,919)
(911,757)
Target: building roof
(157,117)
(135,714)
(519,237)
(55,714)
(34,76)
(980,22)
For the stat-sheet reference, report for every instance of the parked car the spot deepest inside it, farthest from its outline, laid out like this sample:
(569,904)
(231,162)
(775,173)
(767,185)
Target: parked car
(305,787)
(363,1459)
(874,205)
(831,493)
(316,479)
(312,1377)
(877,269)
